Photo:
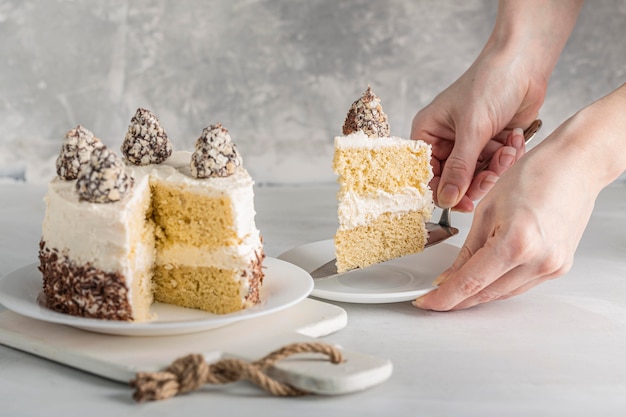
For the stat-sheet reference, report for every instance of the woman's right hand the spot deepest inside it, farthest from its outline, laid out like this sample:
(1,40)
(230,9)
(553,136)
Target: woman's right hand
(503,89)
(472,120)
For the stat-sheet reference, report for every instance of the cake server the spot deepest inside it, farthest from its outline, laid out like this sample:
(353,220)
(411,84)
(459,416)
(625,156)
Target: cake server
(437,232)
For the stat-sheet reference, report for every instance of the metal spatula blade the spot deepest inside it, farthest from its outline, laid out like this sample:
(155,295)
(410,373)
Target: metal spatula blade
(437,232)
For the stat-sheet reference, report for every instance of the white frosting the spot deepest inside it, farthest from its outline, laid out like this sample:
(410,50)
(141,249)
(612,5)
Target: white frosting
(359,139)
(101,234)
(355,210)
(95,233)
(227,257)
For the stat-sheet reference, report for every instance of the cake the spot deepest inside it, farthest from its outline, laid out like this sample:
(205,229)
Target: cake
(120,233)
(384,199)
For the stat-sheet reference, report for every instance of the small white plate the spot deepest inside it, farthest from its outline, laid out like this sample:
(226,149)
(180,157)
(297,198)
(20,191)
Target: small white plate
(284,285)
(398,280)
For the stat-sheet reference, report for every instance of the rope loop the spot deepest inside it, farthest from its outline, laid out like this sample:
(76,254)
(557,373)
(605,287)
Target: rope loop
(190,372)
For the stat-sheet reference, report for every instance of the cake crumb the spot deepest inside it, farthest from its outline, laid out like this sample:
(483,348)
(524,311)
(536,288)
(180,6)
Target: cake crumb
(216,155)
(366,114)
(103,179)
(75,152)
(146,142)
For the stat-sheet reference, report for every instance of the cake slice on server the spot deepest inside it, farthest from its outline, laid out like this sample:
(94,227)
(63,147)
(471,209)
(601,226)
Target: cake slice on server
(384,198)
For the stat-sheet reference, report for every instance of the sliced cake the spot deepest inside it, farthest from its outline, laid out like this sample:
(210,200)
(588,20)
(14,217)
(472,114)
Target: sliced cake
(174,227)
(384,199)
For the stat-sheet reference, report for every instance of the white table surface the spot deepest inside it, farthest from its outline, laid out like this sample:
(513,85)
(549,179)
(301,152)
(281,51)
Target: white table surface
(559,350)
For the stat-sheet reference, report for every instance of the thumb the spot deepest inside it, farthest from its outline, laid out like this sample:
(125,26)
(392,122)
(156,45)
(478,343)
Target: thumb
(458,171)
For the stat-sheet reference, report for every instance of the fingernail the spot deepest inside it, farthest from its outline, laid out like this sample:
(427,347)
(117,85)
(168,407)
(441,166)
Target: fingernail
(448,195)
(507,157)
(419,302)
(488,183)
(517,139)
(439,280)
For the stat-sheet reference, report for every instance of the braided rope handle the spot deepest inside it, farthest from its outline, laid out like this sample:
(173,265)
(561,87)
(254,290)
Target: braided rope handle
(190,372)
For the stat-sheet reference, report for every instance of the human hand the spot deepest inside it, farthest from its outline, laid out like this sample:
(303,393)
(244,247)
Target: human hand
(527,228)
(503,89)
(472,121)
(525,231)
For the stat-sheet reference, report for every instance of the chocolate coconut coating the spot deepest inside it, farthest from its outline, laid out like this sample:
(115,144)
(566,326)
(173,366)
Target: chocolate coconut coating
(215,154)
(146,142)
(82,290)
(75,152)
(103,179)
(366,114)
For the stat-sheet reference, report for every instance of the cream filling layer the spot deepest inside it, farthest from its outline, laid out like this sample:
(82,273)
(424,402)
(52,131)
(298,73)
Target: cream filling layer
(227,257)
(355,210)
(361,140)
(236,258)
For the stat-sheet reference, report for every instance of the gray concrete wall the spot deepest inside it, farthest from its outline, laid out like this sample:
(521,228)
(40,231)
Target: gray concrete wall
(279,74)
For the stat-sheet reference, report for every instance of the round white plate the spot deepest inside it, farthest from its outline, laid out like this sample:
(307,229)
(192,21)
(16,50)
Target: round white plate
(284,285)
(398,280)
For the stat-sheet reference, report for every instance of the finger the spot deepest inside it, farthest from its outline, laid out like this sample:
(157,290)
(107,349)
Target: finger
(466,205)
(478,272)
(473,242)
(475,239)
(482,183)
(435,133)
(507,137)
(531,284)
(524,288)
(490,148)
(511,284)
(502,155)
(462,257)
(503,287)
(458,170)
(517,140)
(502,160)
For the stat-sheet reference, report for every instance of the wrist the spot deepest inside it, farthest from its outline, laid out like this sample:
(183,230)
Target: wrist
(593,140)
(533,32)
(603,135)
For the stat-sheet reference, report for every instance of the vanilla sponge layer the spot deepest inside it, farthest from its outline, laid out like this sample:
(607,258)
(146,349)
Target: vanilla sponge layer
(387,237)
(182,218)
(366,166)
(206,288)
